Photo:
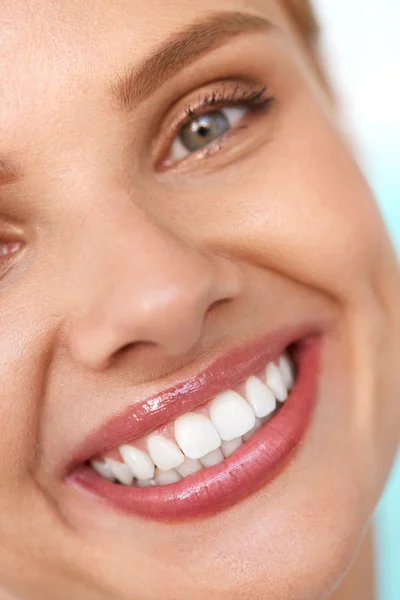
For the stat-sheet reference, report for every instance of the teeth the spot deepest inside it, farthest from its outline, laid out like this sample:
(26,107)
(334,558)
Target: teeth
(260,397)
(212,458)
(138,461)
(145,483)
(229,447)
(231,415)
(248,435)
(203,441)
(189,466)
(287,370)
(196,435)
(122,472)
(103,468)
(274,381)
(164,452)
(166,477)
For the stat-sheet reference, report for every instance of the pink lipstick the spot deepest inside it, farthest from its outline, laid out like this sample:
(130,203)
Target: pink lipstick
(249,467)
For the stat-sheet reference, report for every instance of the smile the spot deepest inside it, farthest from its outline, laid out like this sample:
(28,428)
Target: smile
(231,430)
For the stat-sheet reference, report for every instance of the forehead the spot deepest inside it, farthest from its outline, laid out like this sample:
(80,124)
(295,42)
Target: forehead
(106,29)
(54,53)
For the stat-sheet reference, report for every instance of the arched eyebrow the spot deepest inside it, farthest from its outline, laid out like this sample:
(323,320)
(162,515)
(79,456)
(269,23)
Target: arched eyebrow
(180,50)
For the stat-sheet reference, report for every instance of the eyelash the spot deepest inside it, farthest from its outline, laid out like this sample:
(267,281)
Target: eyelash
(219,97)
(252,97)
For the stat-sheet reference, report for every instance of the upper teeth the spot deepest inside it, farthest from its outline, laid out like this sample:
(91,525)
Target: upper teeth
(231,415)
(138,461)
(164,452)
(260,397)
(196,435)
(202,439)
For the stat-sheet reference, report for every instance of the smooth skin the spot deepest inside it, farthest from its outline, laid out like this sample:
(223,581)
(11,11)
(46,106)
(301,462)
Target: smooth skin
(124,270)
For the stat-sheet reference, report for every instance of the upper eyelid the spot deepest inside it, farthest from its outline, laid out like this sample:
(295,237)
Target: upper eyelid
(213,101)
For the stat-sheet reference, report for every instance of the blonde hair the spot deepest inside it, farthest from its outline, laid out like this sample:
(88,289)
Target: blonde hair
(303,15)
(304,19)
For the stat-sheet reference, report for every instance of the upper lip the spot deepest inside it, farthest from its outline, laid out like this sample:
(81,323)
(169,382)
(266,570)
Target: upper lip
(223,373)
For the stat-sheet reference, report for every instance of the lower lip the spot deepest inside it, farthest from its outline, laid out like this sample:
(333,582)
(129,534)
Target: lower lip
(249,468)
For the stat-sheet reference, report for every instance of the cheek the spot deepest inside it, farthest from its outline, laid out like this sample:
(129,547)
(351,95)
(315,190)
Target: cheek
(23,363)
(299,205)
(297,537)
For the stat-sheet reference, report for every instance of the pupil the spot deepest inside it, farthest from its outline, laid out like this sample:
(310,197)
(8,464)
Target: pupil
(203,130)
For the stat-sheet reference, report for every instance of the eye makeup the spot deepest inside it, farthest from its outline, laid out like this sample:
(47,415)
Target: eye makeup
(254,100)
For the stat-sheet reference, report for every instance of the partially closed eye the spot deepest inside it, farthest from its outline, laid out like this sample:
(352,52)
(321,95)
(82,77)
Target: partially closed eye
(8,250)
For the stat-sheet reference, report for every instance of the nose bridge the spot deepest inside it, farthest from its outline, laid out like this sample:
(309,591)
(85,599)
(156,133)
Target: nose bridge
(141,283)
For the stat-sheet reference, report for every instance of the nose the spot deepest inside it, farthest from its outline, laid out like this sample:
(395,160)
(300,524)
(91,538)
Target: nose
(140,283)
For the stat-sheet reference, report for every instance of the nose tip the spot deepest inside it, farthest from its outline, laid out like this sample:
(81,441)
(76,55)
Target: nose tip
(166,305)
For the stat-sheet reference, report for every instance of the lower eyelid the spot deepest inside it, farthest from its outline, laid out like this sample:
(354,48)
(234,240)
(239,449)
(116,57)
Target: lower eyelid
(201,152)
(213,147)
(205,152)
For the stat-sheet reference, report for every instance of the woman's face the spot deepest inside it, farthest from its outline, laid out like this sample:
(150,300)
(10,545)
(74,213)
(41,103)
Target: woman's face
(177,208)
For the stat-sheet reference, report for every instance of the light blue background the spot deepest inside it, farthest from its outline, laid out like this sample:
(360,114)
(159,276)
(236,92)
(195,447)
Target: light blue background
(387,186)
(361,47)
(388,539)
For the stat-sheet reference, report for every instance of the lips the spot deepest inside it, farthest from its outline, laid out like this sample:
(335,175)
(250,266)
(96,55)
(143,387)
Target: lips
(249,467)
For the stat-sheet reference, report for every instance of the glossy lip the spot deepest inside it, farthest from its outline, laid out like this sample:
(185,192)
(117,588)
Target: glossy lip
(223,373)
(247,469)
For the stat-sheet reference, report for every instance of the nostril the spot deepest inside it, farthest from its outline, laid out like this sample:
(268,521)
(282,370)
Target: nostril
(219,303)
(131,348)
(163,304)
(217,307)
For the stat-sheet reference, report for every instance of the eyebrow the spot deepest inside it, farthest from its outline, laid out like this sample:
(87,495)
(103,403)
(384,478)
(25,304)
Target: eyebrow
(180,50)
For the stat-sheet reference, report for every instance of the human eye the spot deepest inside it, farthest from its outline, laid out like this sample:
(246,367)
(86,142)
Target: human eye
(207,121)
(9,250)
